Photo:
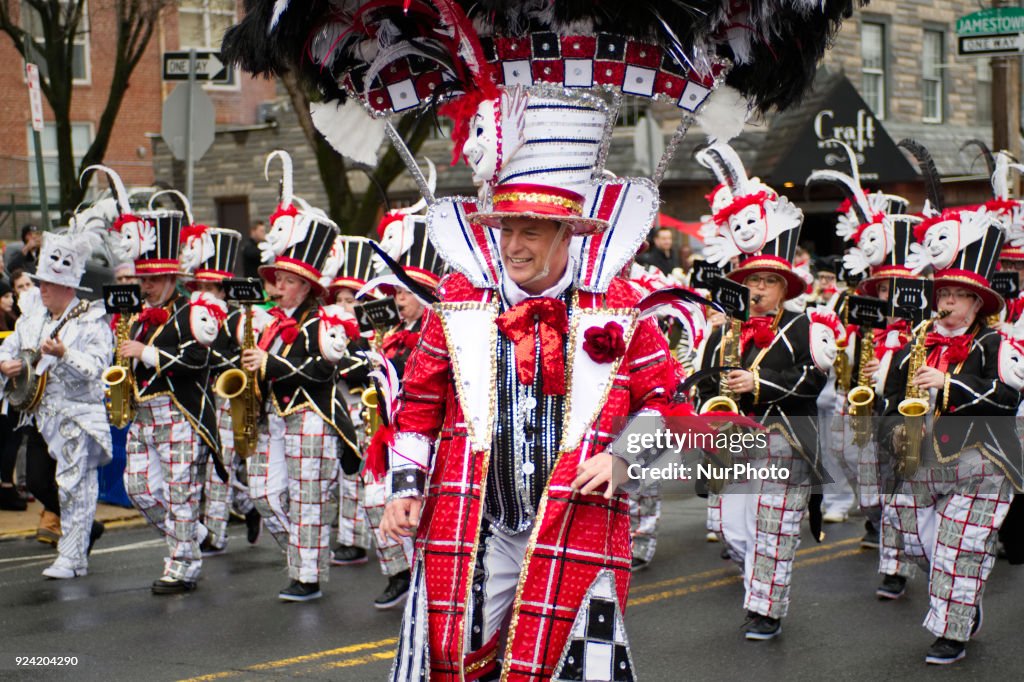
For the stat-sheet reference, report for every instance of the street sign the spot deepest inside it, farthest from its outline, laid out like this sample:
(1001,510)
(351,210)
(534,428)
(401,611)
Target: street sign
(35,99)
(992,21)
(993,44)
(174,127)
(209,67)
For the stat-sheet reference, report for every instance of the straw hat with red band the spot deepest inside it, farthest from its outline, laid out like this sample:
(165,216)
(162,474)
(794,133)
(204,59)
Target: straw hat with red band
(556,156)
(770,265)
(972,269)
(307,258)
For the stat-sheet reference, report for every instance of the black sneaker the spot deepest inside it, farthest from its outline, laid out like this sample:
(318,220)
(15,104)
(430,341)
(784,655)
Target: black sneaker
(396,591)
(892,587)
(347,555)
(639,564)
(11,499)
(253,525)
(209,549)
(871,536)
(978,619)
(945,651)
(95,533)
(300,592)
(762,628)
(172,586)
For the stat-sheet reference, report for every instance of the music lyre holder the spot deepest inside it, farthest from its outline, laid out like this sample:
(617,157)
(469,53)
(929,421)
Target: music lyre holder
(122,299)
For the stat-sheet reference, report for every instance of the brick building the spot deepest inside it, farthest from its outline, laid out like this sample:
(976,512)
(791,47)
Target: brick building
(899,58)
(183,24)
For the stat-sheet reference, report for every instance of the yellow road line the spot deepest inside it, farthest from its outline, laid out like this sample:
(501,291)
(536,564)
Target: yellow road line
(362,660)
(646,599)
(702,587)
(729,570)
(295,660)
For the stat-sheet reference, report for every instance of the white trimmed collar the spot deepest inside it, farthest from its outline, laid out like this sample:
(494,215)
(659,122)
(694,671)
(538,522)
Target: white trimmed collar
(514,294)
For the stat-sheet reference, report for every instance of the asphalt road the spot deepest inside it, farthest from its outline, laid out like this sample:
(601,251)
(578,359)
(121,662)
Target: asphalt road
(684,617)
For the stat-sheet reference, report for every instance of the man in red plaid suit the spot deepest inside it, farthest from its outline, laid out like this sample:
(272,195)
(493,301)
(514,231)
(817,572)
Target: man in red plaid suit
(508,404)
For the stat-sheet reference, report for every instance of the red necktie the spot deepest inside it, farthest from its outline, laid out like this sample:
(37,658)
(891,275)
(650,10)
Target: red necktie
(283,325)
(521,324)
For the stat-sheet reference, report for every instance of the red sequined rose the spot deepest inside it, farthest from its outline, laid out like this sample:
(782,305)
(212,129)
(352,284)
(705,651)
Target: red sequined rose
(605,344)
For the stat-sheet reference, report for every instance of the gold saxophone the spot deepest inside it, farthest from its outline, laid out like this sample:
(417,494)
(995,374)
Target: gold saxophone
(907,437)
(725,401)
(862,396)
(119,381)
(241,388)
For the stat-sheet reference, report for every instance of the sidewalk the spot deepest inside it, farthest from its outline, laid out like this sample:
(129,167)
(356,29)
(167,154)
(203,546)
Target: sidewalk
(23,524)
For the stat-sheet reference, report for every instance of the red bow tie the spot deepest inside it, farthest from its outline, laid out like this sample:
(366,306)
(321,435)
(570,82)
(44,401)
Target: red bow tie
(947,350)
(756,329)
(400,341)
(521,323)
(283,325)
(881,348)
(153,317)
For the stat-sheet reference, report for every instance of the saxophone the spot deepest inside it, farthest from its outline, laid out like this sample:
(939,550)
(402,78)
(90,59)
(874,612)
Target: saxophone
(907,437)
(862,396)
(725,401)
(241,388)
(119,382)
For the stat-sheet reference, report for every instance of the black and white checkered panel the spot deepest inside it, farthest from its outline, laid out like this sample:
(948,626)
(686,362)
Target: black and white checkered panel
(603,60)
(598,648)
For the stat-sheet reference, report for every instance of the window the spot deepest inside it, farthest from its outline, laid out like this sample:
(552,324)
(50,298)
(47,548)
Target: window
(202,23)
(32,22)
(931,62)
(81,138)
(872,55)
(983,92)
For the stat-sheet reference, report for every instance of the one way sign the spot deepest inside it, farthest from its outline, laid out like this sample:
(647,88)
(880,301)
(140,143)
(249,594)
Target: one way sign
(209,67)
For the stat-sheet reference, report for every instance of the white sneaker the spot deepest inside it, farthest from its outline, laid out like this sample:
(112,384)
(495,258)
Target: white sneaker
(711,536)
(60,570)
(834,517)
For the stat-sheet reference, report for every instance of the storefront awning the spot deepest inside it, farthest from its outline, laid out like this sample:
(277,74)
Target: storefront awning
(797,141)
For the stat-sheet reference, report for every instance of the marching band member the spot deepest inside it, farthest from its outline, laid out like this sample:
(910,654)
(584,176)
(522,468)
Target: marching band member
(175,427)
(881,237)
(296,460)
(75,340)
(404,237)
(529,506)
(353,528)
(208,255)
(949,509)
(784,370)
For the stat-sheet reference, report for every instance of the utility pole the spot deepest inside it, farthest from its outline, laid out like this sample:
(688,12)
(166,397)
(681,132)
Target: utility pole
(1006,106)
